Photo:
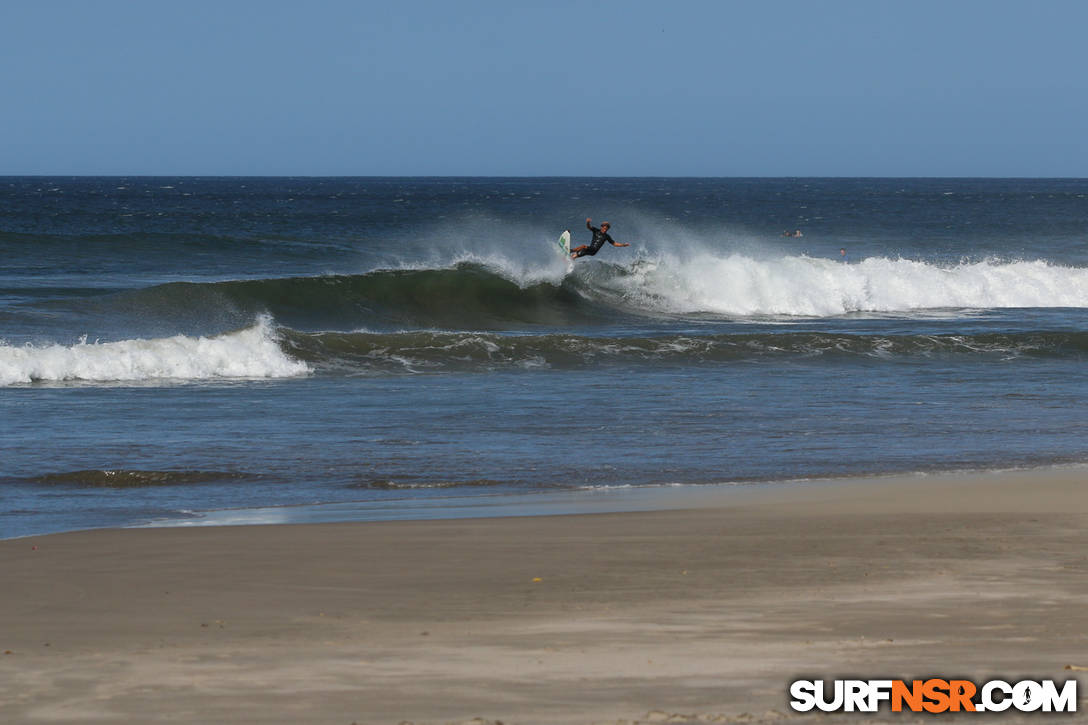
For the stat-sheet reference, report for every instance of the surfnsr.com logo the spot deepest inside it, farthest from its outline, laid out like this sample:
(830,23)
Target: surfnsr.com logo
(933,695)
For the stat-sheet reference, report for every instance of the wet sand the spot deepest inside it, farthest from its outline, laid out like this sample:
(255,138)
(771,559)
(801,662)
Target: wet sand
(698,615)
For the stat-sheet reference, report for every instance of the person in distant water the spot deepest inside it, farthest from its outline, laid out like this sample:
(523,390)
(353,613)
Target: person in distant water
(600,236)
(842,253)
(797,233)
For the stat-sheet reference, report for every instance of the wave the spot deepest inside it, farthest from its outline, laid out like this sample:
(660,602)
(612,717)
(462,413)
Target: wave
(384,484)
(475,296)
(243,354)
(403,314)
(467,295)
(740,286)
(423,352)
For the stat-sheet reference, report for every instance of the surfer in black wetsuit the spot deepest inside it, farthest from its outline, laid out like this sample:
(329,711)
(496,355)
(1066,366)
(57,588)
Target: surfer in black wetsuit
(600,236)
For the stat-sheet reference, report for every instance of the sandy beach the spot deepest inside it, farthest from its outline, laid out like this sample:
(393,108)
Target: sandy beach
(697,615)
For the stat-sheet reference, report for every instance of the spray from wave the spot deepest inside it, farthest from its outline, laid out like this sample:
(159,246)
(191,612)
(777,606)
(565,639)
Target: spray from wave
(251,353)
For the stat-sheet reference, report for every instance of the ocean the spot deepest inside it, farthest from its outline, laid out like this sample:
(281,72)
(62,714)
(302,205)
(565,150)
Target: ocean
(185,351)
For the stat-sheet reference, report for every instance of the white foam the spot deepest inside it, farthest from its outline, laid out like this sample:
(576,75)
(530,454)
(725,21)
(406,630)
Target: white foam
(735,284)
(250,353)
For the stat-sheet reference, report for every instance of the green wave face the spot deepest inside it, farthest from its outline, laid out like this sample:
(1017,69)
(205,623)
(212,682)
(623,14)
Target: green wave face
(466,296)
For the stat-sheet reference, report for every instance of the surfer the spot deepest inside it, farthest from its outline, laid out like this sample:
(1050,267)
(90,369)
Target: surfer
(600,236)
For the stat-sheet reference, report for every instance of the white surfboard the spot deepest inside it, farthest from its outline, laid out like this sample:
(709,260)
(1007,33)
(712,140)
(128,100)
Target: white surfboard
(564,243)
(564,249)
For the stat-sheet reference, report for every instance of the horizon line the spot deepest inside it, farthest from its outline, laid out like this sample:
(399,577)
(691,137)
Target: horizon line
(507,176)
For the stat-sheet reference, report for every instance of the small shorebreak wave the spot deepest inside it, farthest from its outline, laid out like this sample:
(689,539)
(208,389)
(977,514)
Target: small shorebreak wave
(390,484)
(122,478)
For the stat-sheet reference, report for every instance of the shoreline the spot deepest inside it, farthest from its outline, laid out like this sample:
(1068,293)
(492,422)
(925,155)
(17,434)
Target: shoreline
(552,502)
(707,611)
(573,502)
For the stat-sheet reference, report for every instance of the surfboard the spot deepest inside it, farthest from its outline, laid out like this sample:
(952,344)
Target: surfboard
(564,243)
(564,249)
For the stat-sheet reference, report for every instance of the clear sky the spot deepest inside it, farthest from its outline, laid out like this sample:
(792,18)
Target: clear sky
(519,88)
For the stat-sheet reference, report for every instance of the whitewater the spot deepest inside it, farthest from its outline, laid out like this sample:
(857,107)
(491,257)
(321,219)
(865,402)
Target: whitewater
(737,285)
(246,354)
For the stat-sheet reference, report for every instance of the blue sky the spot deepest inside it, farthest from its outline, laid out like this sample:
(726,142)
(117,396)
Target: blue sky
(822,88)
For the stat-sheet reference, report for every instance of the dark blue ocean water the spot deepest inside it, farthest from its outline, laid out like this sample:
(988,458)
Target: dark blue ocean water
(177,346)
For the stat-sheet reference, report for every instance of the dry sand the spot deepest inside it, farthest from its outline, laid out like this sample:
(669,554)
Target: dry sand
(698,615)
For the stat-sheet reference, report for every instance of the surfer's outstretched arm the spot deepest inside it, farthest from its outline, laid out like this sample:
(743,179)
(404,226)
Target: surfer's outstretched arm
(608,238)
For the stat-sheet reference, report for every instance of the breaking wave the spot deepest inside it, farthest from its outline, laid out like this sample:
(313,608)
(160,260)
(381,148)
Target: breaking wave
(738,286)
(246,354)
(474,296)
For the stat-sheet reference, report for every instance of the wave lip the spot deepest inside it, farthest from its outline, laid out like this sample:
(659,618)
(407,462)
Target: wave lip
(250,353)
